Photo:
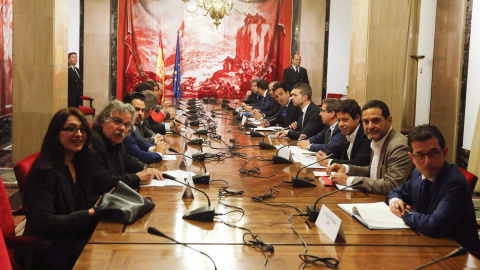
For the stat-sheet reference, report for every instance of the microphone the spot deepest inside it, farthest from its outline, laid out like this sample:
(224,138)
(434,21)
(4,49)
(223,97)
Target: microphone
(201,178)
(305,181)
(196,141)
(264,145)
(457,252)
(280,160)
(313,211)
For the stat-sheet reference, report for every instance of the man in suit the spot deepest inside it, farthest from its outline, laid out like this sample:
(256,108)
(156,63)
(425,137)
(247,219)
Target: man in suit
(436,200)
(288,113)
(309,122)
(111,161)
(330,136)
(390,164)
(252,96)
(75,81)
(271,110)
(264,102)
(295,73)
(147,150)
(355,148)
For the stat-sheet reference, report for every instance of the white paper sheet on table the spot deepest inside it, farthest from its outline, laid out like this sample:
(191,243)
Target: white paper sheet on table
(267,128)
(169,157)
(347,189)
(178,174)
(296,149)
(319,173)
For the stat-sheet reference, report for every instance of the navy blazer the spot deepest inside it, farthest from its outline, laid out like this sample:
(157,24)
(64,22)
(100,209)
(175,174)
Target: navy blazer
(313,123)
(264,103)
(318,141)
(292,114)
(252,99)
(361,150)
(290,77)
(139,149)
(272,110)
(450,207)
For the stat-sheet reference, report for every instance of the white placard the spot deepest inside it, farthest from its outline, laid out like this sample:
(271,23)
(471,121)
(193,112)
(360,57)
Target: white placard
(330,224)
(244,119)
(188,191)
(188,132)
(284,153)
(186,162)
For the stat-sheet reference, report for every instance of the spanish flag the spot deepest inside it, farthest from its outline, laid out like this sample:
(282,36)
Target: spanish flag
(160,71)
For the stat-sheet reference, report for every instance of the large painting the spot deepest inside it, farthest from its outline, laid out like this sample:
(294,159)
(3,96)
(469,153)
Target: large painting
(6,24)
(214,62)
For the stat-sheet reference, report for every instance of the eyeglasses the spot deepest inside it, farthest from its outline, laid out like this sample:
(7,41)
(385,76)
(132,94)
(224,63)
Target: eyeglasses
(74,130)
(431,155)
(117,122)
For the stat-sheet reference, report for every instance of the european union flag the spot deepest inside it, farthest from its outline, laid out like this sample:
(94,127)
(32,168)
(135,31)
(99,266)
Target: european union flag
(177,78)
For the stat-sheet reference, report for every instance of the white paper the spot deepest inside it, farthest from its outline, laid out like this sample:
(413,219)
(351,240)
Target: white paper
(347,189)
(298,149)
(319,173)
(267,128)
(162,183)
(169,157)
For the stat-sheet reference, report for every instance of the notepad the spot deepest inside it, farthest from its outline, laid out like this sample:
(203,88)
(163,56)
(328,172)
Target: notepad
(375,216)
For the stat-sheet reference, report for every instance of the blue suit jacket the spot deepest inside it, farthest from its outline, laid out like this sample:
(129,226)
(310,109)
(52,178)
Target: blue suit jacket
(139,149)
(264,103)
(361,150)
(318,141)
(450,208)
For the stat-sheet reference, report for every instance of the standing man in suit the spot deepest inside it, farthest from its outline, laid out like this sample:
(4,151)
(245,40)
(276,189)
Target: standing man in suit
(75,81)
(390,164)
(309,122)
(295,73)
(330,135)
(355,148)
(288,112)
(436,200)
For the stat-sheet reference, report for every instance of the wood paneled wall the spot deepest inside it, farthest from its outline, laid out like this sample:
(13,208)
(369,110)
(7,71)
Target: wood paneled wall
(447,70)
(96,66)
(312,43)
(40,75)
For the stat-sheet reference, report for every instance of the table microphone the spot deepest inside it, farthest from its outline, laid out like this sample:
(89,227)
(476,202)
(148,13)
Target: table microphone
(196,141)
(313,211)
(264,145)
(305,181)
(200,178)
(280,160)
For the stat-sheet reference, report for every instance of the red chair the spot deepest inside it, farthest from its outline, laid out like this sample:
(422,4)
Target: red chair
(471,179)
(21,170)
(4,255)
(8,230)
(87,110)
(332,95)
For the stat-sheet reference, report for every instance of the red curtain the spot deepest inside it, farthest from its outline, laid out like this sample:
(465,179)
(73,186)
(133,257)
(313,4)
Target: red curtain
(6,23)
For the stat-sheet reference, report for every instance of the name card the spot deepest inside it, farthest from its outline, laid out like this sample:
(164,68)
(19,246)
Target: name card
(244,119)
(188,133)
(186,162)
(284,153)
(188,191)
(330,224)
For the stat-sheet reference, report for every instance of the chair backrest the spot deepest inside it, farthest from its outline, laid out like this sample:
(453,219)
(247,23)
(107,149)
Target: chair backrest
(6,217)
(471,179)
(333,95)
(21,170)
(4,255)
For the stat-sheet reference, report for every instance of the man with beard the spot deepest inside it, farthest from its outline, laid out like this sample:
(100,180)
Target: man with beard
(288,113)
(111,161)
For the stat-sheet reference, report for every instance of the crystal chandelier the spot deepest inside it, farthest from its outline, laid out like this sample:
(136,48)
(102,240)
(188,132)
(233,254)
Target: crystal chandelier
(217,8)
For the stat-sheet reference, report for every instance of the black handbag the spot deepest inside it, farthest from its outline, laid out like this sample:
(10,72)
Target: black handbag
(123,205)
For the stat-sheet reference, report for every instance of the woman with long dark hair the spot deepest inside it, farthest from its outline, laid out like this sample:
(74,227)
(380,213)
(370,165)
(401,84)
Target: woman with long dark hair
(59,192)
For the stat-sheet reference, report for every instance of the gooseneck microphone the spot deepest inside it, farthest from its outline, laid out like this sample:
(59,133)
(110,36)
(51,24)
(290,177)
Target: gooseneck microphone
(264,145)
(305,181)
(196,141)
(200,178)
(280,160)
(313,211)
(204,213)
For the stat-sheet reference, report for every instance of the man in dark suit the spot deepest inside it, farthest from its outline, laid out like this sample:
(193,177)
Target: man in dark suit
(112,163)
(309,122)
(75,81)
(389,166)
(436,200)
(295,73)
(330,136)
(265,100)
(288,113)
(355,148)
(252,96)
(147,149)
(272,109)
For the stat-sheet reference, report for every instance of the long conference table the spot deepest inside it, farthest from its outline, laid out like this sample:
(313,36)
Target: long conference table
(118,246)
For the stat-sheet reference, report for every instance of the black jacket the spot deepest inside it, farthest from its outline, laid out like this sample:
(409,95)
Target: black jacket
(312,123)
(291,115)
(290,77)
(361,150)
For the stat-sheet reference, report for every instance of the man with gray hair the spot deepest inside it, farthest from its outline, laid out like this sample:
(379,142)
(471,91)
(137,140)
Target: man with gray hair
(111,161)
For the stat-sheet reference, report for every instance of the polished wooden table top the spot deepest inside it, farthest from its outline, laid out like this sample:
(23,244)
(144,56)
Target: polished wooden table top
(129,244)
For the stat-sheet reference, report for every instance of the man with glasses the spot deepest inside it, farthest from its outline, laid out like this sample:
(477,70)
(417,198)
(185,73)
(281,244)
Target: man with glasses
(111,161)
(436,200)
(390,165)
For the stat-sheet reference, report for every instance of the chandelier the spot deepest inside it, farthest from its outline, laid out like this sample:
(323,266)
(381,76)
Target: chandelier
(216,8)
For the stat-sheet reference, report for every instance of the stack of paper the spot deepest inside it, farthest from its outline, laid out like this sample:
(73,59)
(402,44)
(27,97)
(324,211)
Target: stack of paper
(374,215)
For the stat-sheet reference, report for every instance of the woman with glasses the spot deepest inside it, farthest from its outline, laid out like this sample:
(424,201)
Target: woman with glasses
(60,205)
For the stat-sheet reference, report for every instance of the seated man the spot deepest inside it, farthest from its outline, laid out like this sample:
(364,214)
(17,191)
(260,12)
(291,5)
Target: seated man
(288,113)
(309,122)
(262,104)
(435,200)
(252,96)
(274,107)
(355,148)
(330,136)
(390,164)
(111,161)
(135,144)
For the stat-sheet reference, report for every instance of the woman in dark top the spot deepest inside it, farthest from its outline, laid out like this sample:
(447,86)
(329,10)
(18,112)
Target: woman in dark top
(59,196)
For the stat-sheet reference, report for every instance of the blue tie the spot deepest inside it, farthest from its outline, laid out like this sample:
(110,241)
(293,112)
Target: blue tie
(284,113)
